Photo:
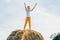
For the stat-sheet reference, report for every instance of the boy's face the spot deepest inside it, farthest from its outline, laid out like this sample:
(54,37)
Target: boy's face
(28,7)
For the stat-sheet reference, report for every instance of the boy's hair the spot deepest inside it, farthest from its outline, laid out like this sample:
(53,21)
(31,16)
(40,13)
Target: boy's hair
(28,6)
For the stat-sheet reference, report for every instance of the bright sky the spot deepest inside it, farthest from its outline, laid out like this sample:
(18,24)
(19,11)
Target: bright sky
(45,17)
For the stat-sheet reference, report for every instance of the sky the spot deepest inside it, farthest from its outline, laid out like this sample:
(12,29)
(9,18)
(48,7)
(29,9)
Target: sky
(45,18)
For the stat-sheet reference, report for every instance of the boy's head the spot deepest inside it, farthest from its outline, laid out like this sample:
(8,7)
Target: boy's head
(28,7)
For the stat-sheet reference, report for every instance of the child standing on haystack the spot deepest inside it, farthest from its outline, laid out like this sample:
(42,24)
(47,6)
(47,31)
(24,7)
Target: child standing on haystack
(28,19)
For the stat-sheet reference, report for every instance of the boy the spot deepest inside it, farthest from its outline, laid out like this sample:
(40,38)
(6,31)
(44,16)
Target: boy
(28,19)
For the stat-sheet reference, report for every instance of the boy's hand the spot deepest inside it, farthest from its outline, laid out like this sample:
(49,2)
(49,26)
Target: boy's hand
(35,4)
(24,3)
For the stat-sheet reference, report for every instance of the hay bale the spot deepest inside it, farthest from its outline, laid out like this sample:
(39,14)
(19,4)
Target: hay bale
(28,35)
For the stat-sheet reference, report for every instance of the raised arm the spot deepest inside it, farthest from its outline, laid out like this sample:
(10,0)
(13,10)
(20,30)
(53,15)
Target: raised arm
(33,7)
(25,6)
